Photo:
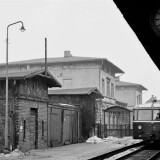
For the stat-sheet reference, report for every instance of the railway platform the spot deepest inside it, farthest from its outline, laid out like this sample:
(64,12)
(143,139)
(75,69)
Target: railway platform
(80,151)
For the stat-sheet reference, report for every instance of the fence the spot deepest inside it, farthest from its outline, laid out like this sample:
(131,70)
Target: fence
(114,130)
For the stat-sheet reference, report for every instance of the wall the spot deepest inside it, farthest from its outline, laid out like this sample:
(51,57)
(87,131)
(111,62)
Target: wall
(127,95)
(138,97)
(104,75)
(32,95)
(2,125)
(79,74)
(23,113)
(80,78)
(24,95)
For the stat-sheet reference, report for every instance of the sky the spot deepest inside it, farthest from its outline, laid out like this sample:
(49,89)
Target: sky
(88,28)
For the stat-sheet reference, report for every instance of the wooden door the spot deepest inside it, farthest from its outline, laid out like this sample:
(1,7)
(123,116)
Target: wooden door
(33,128)
(67,127)
(75,126)
(55,126)
(80,138)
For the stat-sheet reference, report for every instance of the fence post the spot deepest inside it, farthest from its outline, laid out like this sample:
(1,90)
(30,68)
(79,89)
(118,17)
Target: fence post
(105,130)
(121,130)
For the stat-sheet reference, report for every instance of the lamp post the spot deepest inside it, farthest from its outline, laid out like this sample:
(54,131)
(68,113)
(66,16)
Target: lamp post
(6,115)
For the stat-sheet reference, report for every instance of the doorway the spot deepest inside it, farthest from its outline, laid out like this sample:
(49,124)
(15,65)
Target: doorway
(33,128)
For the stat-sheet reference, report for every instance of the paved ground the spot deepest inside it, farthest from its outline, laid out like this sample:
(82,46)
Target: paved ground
(81,151)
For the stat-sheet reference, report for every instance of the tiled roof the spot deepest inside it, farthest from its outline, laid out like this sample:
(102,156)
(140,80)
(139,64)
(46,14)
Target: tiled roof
(20,74)
(76,91)
(63,60)
(128,84)
(51,80)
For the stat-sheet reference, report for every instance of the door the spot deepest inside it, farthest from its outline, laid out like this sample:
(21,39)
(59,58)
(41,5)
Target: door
(67,127)
(33,128)
(55,126)
(75,126)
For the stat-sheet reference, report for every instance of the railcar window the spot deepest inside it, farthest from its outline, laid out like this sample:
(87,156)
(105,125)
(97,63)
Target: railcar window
(144,115)
(135,115)
(156,115)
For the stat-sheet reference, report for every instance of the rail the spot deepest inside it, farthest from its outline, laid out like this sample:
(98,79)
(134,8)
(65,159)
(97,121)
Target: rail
(112,153)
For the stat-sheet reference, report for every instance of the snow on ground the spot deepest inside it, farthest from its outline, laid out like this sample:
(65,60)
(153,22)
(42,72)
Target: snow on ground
(15,153)
(124,140)
(81,151)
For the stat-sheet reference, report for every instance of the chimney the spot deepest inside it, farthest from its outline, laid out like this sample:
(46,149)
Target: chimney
(67,54)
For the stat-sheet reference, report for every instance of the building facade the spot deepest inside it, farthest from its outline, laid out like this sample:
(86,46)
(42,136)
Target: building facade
(130,93)
(78,72)
(27,109)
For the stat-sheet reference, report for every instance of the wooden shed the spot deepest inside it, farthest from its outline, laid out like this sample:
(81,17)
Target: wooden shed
(76,120)
(28,98)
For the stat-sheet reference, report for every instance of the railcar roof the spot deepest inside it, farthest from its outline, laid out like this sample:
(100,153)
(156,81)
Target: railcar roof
(148,105)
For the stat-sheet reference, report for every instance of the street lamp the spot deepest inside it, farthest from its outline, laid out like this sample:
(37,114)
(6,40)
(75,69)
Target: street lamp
(6,116)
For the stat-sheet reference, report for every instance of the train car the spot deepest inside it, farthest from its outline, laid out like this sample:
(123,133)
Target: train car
(146,121)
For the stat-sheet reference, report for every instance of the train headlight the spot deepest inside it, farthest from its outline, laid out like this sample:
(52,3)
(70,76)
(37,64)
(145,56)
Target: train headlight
(139,127)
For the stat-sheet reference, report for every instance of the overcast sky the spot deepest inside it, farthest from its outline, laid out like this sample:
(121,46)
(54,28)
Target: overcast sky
(90,28)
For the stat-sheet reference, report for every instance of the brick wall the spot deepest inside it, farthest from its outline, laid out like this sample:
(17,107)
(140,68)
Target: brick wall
(24,95)
(24,114)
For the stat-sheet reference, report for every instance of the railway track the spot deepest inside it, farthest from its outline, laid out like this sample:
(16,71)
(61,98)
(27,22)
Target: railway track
(118,151)
(138,155)
(139,151)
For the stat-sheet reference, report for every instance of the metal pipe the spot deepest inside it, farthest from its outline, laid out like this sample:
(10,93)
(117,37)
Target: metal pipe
(6,112)
(45,56)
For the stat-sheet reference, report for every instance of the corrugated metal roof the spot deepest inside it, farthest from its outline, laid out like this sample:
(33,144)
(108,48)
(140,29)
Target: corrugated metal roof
(51,80)
(128,84)
(63,60)
(76,91)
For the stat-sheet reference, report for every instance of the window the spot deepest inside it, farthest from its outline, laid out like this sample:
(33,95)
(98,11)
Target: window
(137,99)
(24,130)
(135,115)
(112,90)
(103,87)
(108,87)
(144,115)
(156,115)
(140,99)
(42,128)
